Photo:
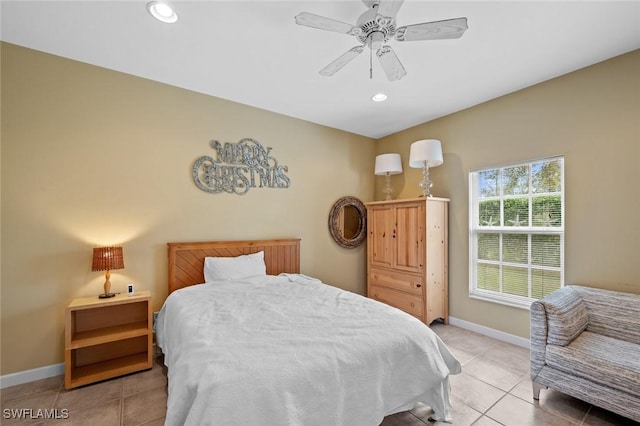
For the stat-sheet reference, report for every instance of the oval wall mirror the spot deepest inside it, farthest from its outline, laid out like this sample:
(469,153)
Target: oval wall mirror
(348,222)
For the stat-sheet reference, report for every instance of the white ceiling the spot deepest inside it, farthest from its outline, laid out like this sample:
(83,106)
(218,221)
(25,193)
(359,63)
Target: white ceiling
(252,52)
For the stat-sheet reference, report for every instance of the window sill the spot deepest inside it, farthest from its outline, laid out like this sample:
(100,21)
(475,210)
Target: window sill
(502,299)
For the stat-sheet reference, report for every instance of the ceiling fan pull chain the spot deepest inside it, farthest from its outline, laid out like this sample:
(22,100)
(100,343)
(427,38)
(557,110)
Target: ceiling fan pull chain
(370,61)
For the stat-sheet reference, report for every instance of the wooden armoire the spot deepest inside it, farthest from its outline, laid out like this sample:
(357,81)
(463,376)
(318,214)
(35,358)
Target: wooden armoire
(407,256)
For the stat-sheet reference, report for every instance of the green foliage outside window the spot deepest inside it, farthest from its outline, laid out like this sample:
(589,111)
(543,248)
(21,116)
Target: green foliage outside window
(546,211)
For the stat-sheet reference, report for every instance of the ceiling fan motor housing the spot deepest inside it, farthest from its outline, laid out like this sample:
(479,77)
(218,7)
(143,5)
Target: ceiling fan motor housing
(375,28)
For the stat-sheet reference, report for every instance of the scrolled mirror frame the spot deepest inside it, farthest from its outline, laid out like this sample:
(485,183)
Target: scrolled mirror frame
(334,228)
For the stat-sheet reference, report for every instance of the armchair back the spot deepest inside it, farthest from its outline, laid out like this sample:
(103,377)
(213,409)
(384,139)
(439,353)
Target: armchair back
(612,313)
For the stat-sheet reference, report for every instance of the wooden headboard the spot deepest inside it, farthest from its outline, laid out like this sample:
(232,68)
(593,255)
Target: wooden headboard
(186,260)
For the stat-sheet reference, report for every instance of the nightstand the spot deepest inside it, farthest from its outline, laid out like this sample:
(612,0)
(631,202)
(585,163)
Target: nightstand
(105,338)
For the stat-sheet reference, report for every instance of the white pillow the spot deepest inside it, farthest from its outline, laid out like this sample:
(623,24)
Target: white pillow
(234,268)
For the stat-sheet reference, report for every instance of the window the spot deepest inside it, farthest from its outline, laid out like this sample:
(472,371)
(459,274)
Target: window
(516,231)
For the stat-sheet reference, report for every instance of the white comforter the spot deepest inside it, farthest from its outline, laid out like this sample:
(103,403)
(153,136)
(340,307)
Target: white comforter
(289,350)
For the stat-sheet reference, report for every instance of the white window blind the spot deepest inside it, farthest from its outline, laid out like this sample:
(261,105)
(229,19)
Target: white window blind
(516,231)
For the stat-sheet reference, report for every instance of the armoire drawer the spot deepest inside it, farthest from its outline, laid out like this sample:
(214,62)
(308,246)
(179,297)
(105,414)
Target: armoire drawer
(409,303)
(396,280)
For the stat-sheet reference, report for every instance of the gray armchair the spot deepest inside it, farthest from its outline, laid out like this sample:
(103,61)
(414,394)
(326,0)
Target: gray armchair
(585,342)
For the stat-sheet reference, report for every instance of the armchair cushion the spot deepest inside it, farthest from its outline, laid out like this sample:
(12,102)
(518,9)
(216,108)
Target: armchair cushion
(610,362)
(566,316)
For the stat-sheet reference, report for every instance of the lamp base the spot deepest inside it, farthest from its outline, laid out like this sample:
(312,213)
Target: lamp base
(387,191)
(106,295)
(425,184)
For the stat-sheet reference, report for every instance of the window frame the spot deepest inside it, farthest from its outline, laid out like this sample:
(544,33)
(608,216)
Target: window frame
(475,229)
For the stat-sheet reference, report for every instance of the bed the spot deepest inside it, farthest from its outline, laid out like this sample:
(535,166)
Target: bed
(248,340)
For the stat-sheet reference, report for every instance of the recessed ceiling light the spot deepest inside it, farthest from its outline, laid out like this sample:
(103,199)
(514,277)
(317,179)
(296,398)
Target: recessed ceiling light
(162,12)
(379,97)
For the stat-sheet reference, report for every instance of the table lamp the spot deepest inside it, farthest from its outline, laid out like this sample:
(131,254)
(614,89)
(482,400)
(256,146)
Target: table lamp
(107,259)
(424,154)
(387,165)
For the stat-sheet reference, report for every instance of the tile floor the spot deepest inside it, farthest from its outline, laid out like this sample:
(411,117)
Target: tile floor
(493,389)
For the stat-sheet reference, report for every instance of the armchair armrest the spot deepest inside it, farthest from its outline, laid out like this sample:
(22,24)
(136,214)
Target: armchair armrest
(556,319)
(538,337)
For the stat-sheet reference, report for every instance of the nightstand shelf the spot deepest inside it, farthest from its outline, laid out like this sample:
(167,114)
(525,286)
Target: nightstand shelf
(108,334)
(106,338)
(91,373)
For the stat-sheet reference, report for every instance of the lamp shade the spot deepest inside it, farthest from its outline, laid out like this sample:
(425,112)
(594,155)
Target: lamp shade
(428,150)
(388,163)
(107,259)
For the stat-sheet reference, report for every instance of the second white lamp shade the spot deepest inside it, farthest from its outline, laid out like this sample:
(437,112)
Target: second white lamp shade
(428,150)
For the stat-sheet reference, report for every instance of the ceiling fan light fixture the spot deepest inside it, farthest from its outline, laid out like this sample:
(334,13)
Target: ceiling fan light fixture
(379,97)
(162,12)
(375,40)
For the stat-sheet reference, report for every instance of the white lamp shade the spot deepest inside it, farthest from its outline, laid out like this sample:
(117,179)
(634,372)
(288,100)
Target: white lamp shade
(428,150)
(388,163)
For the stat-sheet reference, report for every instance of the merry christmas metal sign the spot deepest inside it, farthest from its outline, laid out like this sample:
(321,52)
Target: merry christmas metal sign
(236,167)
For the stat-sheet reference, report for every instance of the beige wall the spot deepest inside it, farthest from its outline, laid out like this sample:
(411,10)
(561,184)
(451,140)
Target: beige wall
(592,117)
(91,156)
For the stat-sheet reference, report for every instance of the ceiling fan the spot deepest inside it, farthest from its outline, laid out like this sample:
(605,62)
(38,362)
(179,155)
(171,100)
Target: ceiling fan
(374,28)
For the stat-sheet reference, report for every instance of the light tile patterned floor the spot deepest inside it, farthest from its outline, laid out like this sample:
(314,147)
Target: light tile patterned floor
(493,389)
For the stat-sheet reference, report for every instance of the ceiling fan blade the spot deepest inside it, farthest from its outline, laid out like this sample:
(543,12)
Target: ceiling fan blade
(437,30)
(390,63)
(322,23)
(343,60)
(389,8)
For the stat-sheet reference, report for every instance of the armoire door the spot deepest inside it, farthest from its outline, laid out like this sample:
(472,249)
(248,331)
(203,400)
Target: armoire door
(381,235)
(409,237)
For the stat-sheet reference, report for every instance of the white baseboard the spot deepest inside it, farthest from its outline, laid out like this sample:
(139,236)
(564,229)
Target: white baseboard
(496,334)
(31,375)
